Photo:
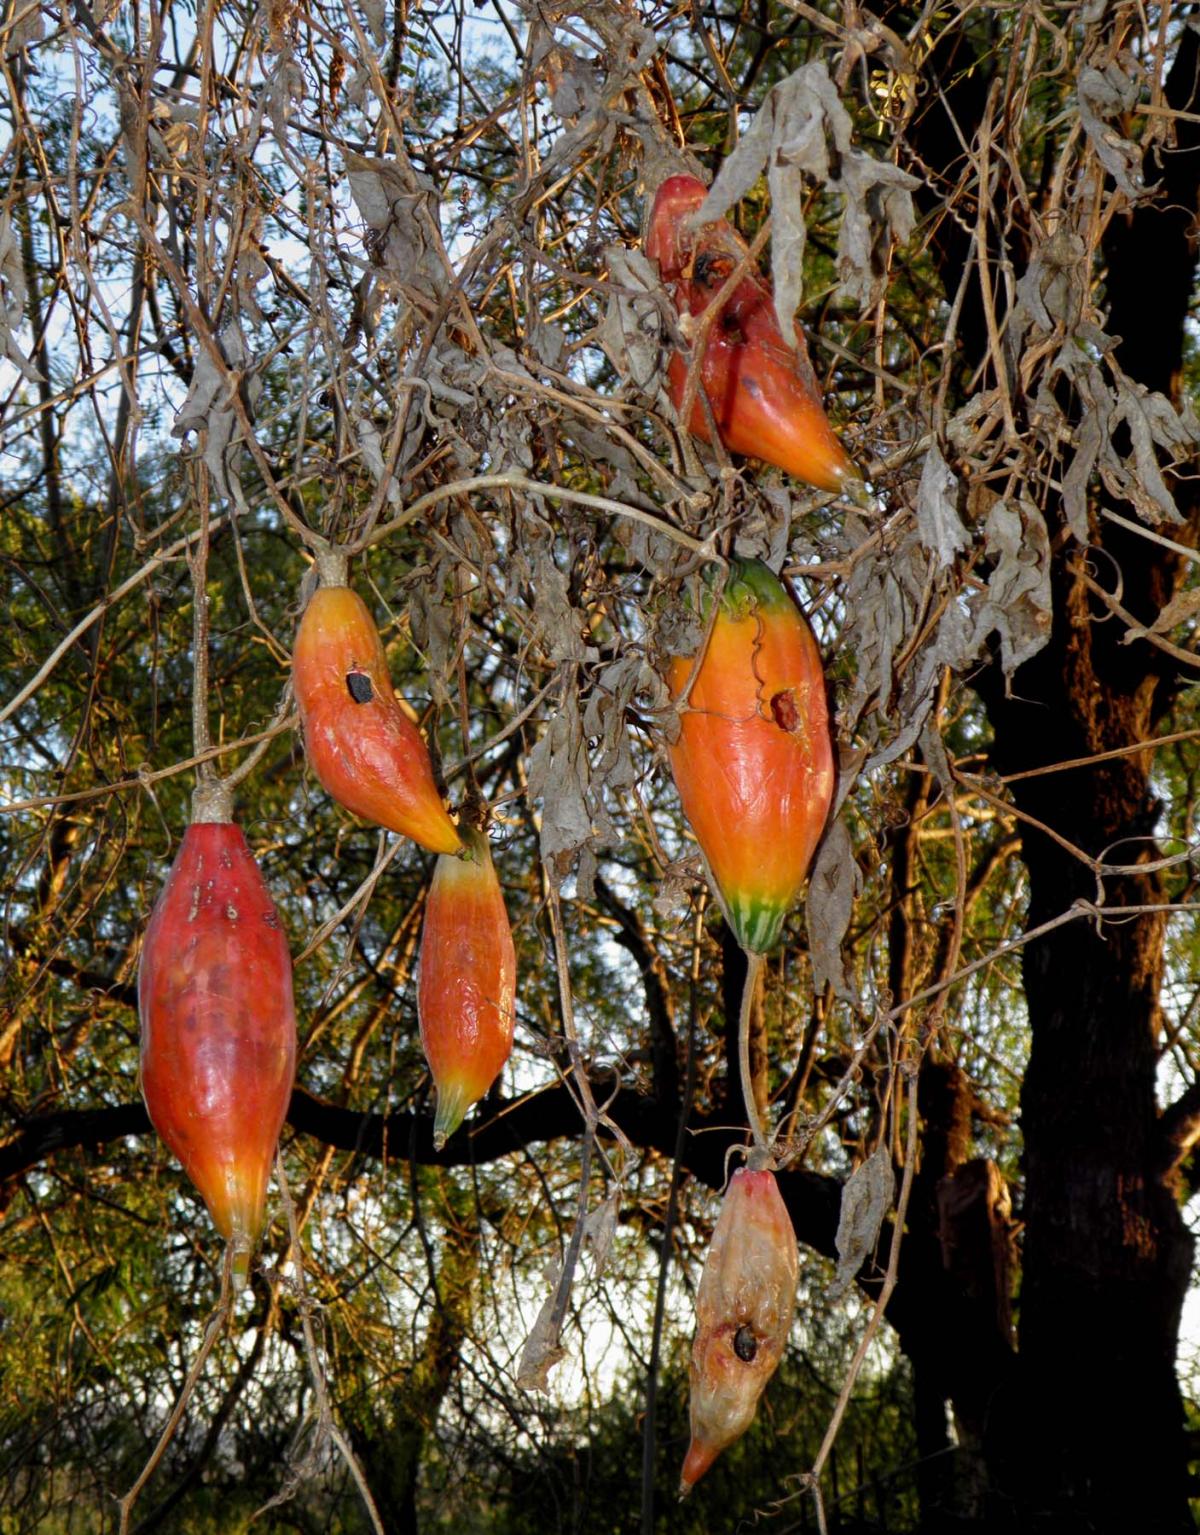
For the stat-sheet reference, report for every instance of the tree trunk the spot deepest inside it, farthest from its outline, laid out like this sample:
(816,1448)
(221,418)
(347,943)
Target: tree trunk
(1089,1434)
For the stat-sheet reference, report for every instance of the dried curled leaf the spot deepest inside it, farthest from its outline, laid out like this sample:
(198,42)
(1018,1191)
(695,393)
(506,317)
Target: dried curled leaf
(631,332)
(574,823)
(400,207)
(542,1350)
(833,885)
(1103,95)
(938,522)
(867,1197)
(1018,604)
(12,298)
(208,406)
(803,130)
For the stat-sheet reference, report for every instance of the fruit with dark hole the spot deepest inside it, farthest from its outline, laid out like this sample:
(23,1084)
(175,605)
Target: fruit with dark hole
(744,1309)
(362,746)
(754,761)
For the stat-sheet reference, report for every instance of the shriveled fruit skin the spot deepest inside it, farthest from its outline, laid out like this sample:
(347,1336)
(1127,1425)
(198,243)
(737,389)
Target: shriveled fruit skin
(761,389)
(360,743)
(466,995)
(218,1026)
(744,1310)
(753,762)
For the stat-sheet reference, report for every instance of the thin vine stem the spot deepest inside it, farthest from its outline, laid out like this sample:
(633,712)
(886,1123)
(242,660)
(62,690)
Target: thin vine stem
(754,965)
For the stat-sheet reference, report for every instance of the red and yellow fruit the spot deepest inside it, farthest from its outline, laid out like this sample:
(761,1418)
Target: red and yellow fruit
(744,1309)
(218,1044)
(467,991)
(754,761)
(761,389)
(360,743)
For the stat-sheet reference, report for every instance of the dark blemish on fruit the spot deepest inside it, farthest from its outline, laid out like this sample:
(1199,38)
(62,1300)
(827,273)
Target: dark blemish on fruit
(271,918)
(752,388)
(711,270)
(745,1344)
(360,687)
(784,711)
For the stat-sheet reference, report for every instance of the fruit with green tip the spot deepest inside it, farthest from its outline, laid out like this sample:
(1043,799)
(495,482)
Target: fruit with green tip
(466,995)
(753,761)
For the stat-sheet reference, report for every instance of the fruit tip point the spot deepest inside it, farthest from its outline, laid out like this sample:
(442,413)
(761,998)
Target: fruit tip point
(452,1105)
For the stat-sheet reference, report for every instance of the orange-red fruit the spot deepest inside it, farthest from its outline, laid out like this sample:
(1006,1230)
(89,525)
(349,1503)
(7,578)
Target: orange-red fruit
(218,1046)
(744,1309)
(467,992)
(754,761)
(360,743)
(761,389)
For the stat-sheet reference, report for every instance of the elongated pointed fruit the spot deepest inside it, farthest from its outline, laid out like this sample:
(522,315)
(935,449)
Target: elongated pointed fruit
(218,1040)
(744,1309)
(761,388)
(466,996)
(360,743)
(754,761)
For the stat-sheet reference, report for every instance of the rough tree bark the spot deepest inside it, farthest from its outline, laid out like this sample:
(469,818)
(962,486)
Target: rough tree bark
(1085,1428)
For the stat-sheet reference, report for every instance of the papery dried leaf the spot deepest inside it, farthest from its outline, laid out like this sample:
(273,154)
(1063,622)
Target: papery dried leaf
(208,404)
(1019,603)
(29,28)
(1105,94)
(763,532)
(376,16)
(867,1196)
(1151,420)
(1088,441)
(12,299)
(542,1350)
(938,522)
(285,88)
(878,214)
(631,332)
(802,129)
(560,776)
(370,445)
(1180,610)
(604,720)
(434,627)
(599,1229)
(1053,289)
(400,207)
(833,886)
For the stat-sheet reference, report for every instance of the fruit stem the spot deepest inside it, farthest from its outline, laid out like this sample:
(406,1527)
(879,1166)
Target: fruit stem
(212,801)
(754,963)
(331,566)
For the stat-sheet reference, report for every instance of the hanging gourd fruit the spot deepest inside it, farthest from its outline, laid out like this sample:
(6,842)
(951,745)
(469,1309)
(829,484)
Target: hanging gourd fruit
(761,389)
(744,1310)
(360,743)
(753,762)
(218,1027)
(466,996)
